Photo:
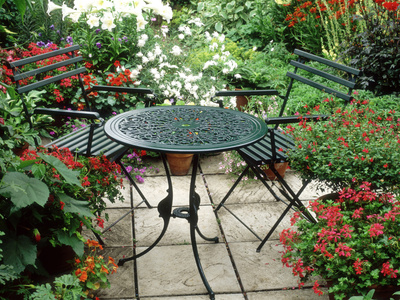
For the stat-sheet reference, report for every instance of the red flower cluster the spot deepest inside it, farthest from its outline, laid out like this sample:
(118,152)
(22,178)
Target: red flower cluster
(348,236)
(304,10)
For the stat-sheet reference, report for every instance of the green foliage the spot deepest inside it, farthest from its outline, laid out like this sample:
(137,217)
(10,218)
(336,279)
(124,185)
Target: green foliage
(265,69)
(65,287)
(358,143)
(7,272)
(376,50)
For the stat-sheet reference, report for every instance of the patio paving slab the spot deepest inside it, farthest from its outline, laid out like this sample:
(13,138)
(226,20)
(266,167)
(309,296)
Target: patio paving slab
(155,189)
(234,269)
(171,270)
(122,283)
(260,217)
(261,271)
(149,225)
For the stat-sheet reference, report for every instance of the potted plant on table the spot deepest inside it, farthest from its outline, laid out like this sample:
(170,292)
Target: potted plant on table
(354,244)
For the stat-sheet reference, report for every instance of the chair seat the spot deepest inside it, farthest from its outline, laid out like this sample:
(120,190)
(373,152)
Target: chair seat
(77,142)
(260,153)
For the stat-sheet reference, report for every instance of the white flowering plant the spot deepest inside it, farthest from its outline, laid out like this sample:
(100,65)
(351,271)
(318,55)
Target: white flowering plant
(107,29)
(186,64)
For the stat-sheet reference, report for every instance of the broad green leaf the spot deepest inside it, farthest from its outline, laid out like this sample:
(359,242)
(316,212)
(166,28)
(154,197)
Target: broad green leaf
(19,252)
(69,175)
(200,6)
(23,190)
(38,170)
(218,26)
(239,9)
(21,6)
(75,206)
(73,241)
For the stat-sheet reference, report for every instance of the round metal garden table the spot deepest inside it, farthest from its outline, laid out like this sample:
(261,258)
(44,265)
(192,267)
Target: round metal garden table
(184,129)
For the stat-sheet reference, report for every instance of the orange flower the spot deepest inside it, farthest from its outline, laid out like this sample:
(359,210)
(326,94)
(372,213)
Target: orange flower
(82,275)
(104,269)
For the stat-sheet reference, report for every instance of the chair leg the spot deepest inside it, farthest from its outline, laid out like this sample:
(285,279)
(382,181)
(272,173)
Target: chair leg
(231,189)
(134,184)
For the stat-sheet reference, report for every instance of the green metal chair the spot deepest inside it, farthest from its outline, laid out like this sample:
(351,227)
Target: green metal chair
(272,148)
(89,140)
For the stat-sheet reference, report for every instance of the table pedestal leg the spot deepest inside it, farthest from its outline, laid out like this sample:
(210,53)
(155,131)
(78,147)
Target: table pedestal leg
(194,203)
(164,209)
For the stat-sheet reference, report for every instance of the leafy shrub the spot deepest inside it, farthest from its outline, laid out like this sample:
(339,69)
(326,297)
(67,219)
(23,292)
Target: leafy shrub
(376,50)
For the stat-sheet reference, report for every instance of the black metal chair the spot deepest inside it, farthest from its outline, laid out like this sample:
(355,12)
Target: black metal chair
(89,140)
(272,148)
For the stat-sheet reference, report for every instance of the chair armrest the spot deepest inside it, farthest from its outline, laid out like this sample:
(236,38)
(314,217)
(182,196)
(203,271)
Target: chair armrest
(241,93)
(295,119)
(245,93)
(120,89)
(70,113)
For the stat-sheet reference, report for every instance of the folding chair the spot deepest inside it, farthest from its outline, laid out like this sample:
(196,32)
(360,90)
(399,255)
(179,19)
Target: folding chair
(89,140)
(273,147)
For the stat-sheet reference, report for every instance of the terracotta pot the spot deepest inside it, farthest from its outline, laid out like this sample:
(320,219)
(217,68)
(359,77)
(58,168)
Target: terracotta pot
(241,101)
(179,164)
(280,167)
(18,151)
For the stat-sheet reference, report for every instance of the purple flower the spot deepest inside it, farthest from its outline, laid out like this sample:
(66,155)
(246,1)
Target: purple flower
(153,19)
(40,34)
(139,178)
(129,169)
(40,44)
(48,44)
(119,40)
(58,31)
(52,133)
(98,30)
(114,113)
(69,40)
(125,38)
(52,27)
(98,45)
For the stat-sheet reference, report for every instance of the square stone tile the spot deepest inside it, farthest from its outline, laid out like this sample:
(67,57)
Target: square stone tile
(148,226)
(126,193)
(260,217)
(199,297)
(155,189)
(122,282)
(262,271)
(210,163)
(171,270)
(121,233)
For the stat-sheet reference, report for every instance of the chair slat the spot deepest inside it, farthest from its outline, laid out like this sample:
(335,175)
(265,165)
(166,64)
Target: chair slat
(48,68)
(39,57)
(319,86)
(323,74)
(327,62)
(56,78)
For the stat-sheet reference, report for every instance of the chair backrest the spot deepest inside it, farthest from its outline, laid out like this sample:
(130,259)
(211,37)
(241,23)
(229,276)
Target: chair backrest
(36,72)
(341,78)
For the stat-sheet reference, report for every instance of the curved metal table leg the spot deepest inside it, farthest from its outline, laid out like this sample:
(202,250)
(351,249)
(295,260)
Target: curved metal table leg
(194,201)
(164,209)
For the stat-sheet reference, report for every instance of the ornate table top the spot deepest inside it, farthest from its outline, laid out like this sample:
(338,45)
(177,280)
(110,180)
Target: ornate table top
(185,129)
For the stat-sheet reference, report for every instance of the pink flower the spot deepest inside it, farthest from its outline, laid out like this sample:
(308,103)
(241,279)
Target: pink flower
(376,229)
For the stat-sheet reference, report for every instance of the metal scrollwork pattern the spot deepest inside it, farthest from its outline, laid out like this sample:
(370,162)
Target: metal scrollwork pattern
(184,128)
